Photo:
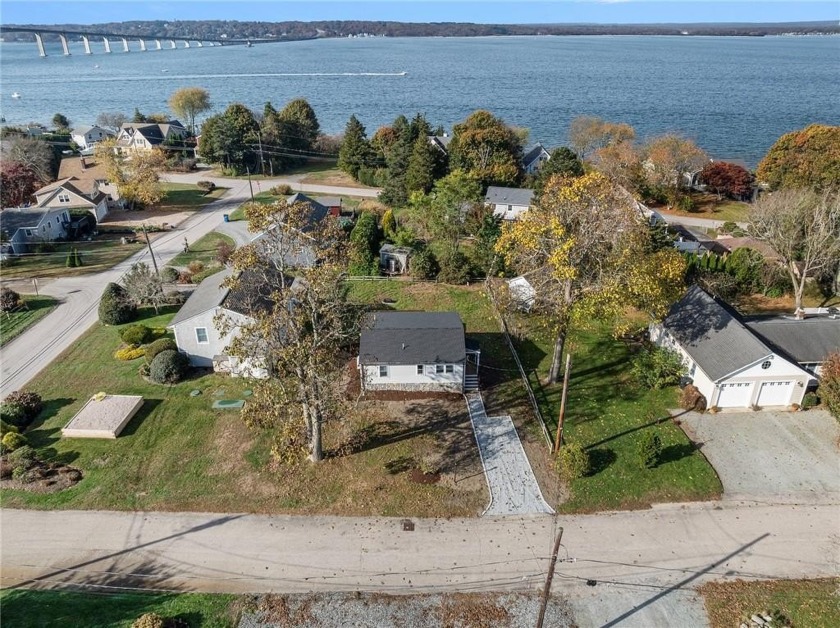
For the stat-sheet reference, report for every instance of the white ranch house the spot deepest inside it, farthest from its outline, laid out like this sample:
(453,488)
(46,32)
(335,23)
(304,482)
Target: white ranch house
(508,203)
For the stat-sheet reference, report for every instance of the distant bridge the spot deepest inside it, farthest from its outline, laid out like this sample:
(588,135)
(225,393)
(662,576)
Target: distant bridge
(143,40)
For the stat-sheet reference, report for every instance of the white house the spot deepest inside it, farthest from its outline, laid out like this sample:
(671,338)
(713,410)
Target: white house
(534,158)
(729,364)
(68,194)
(416,351)
(807,341)
(148,135)
(508,203)
(22,226)
(87,137)
(195,324)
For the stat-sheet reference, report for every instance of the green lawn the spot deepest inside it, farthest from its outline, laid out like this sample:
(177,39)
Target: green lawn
(24,608)
(264,198)
(709,206)
(18,322)
(607,413)
(186,197)
(203,250)
(101,253)
(811,603)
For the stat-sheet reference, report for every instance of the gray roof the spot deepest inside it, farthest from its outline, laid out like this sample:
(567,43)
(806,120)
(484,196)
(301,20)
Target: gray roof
(16,218)
(412,338)
(807,340)
(533,153)
(508,196)
(208,295)
(319,212)
(328,201)
(713,335)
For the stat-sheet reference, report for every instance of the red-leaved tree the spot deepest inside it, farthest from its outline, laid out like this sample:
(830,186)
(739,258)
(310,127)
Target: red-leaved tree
(17,184)
(726,179)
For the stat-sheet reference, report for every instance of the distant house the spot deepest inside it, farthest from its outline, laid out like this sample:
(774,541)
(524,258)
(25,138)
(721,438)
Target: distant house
(508,203)
(195,328)
(87,137)
(441,142)
(304,253)
(534,158)
(67,194)
(416,351)
(689,240)
(89,177)
(730,364)
(393,260)
(733,244)
(23,226)
(522,293)
(333,204)
(148,135)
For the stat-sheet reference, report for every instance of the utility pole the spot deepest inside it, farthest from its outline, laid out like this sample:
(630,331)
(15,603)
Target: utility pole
(248,169)
(558,439)
(548,578)
(262,164)
(151,252)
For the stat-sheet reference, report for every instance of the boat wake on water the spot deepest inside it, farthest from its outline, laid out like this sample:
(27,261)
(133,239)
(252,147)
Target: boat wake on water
(175,77)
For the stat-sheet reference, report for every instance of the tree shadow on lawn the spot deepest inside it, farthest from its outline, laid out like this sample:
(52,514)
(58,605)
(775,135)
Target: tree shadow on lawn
(600,459)
(674,453)
(149,406)
(497,365)
(40,436)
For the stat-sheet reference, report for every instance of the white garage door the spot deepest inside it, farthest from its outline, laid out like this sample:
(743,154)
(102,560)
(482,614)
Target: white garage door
(775,394)
(735,395)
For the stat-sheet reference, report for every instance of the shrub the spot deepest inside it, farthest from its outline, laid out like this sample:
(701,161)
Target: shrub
(572,461)
(657,367)
(129,353)
(9,300)
(136,335)
(5,428)
(149,620)
(161,344)
(282,190)
(115,307)
(22,457)
(692,399)
(454,268)
(168,367)
(175,297)
(13,414)
(830,383)
(169,274)
(185,277)
(12,441)
(223,252)
(650,449)
(810,400)
(195,266)
(30,402)
(206,186)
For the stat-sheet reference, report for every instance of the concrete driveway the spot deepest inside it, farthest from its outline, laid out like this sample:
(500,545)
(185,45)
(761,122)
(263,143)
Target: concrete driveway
(780,456)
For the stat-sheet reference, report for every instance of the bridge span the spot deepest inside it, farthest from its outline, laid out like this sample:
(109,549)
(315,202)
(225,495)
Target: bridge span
(157,43)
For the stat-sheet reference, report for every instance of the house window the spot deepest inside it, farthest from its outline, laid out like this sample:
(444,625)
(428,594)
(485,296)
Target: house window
(201,335)
(438,368)
(383,370)
(29,232)
(450,368)
(766,364)
(419,369)
(63,198)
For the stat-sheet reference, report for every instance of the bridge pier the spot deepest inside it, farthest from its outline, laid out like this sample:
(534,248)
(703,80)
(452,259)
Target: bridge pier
(200,45)
(142,45)
(186,44)
(172,44)
(40,41)
(64,45)
(125,44)
(157,44)
(86,42)
(107,44)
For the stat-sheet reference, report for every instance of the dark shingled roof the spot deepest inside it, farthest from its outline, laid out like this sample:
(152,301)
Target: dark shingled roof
(807,340)
(508,196)
(533,153)
(412,338)
(16,218)
(713,335)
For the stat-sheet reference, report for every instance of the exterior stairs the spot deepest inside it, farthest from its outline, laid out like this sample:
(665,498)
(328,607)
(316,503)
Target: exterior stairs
(470,383)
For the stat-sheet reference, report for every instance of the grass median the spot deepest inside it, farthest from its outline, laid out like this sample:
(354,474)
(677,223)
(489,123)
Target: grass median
(13,324)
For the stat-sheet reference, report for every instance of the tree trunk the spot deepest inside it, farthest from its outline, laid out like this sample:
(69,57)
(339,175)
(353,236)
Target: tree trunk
(798,287)
(554,372)
(316,451)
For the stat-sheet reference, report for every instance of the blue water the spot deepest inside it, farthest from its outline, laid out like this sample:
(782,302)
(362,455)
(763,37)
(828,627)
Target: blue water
(734,96)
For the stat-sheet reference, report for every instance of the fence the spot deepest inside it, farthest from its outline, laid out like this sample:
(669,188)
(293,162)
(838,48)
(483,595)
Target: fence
(503,326)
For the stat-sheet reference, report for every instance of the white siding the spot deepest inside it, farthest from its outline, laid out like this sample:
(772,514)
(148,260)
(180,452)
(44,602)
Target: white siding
(201,354)
(406,375)
(509,212)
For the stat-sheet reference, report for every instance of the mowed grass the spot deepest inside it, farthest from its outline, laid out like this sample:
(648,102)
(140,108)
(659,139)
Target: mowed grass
(264,198)
(203,250)
(607,413)
(26,608)
(15,323)
(97,255)
(811,603)
(711,207)
(177,454)
(185,197)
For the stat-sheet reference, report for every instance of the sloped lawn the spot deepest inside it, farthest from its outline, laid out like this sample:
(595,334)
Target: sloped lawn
(15,323)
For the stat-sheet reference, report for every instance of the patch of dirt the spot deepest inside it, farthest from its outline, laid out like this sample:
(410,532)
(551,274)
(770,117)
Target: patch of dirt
(463,610)
(41,477)
(419,477)
(286,611)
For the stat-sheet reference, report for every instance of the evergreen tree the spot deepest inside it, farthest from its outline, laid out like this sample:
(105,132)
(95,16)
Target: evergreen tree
(395,192)
(77,258)
(389,224)
(564,162)
(355,150)
(70,262)
(422,166)
(364,241)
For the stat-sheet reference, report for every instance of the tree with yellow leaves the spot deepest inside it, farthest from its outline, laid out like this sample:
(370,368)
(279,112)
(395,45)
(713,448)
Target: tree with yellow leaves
(583,249)
(136,176)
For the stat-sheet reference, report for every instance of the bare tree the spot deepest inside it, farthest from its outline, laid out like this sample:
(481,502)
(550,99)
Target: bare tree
(671,157)
(803,227)
(111,119)
(35,154)
(143,286)
(589,133)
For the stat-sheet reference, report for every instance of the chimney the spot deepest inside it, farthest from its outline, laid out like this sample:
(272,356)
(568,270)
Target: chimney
(83,162)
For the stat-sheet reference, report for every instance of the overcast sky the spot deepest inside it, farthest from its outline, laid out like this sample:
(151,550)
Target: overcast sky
(483,11)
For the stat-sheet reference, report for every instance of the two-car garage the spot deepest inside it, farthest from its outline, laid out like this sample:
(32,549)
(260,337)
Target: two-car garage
(764,394)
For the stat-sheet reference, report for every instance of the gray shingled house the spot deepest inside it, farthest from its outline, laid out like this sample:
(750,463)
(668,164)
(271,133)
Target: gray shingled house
(416,351)
(508,203)
(731,362)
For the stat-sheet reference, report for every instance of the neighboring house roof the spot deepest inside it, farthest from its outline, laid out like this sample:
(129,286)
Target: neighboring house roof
(412,338)
(497,195)
(153,132)
(532,154)
(85,178)
(731,244)
(250,295)
(713,335)
(807,340)
(70,184)
(319,211)
(395,250)
(328,201)
(694,235)
(441,141)
(87,128)
(15,218)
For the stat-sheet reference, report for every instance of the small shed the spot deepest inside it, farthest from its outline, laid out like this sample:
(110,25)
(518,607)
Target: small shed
(522,293)
(103,416)
(394,259)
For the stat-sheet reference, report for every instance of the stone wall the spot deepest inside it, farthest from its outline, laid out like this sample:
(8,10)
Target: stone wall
(455,387)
